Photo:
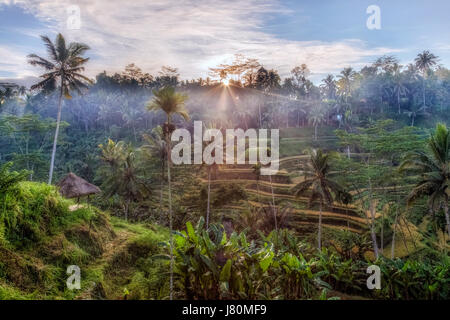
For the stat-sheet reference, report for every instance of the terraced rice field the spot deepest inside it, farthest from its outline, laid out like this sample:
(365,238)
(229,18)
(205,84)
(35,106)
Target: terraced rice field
(303,217)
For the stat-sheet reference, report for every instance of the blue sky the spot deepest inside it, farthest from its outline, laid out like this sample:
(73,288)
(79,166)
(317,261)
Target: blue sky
(193,35)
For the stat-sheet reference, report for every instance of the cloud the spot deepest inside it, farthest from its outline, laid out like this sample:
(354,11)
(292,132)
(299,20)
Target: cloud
(192,35)
(13,61)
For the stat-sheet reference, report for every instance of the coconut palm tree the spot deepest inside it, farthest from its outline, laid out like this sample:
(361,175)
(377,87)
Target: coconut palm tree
(63,69)
(399,86)
(416,110)
(316,118)
(424,61)
(434,166)
(210,168)
(156,147)
(317,180)
(257,172)
(345,82)
(329,87)
(171,103)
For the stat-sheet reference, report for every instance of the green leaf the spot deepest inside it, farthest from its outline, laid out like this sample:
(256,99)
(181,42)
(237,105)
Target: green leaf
(225,274)
(266,261)
(191,232)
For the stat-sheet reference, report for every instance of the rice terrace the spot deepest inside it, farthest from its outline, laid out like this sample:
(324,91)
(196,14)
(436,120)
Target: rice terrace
(227,150)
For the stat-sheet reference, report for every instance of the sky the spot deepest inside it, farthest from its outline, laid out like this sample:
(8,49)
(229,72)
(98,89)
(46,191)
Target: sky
(193,35)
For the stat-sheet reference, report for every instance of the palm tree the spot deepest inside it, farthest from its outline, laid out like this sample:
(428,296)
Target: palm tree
(424,61)
(210,168)
(171,103)
(156,147)
(317,180)
(345,198)
(316,117)
(9,180)
(329,87)
(416,111)
(62,68)
(399,87)
(121,175)
(345,82)
(257,172)
(434,166)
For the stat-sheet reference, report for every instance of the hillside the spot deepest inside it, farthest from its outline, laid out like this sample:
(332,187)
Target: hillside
(41,234)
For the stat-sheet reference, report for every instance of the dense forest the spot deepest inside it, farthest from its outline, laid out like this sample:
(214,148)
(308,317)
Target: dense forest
(363,180)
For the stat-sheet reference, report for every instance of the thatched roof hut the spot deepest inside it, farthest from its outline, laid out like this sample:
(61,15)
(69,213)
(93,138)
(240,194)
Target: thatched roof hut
(72,186)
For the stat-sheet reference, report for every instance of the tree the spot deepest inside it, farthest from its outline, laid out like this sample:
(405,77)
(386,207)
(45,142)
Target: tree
(64,66)
(434,167)
(156,147)
(345,82)
(329,87)
(122,176)
(171,103)
(424,61)
(210,168)
(257,172)
(10,179)
(399,86)
(316,118)
(317,180)
(28,137)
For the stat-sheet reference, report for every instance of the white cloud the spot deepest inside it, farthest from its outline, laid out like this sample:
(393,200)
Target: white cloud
(13,60)
(192,35)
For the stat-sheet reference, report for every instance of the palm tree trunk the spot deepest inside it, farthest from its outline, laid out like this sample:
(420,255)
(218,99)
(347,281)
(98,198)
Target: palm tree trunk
(319,234)
(315,132)
(393,236)
(257,189)
(372,229)
(127,206)
(260,119)
(170,208)
(423,89)
(209,197)
(348,217)
(161,197)
(382,232)
(55,140)
(398,101)
(447,219)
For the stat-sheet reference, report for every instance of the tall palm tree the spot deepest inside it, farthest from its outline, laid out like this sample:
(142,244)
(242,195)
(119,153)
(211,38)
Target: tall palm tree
(316,118)
(424,61)
(434,166)
(345,82)
(257,172)
(156,147)
(171,103)
(399,86)
(63,69)
(317,180)
(210,168)
(329,87)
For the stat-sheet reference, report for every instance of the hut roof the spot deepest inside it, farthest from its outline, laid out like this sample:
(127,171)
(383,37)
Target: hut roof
(72,186)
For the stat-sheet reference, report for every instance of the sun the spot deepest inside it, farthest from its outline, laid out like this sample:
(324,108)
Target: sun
(226,82)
